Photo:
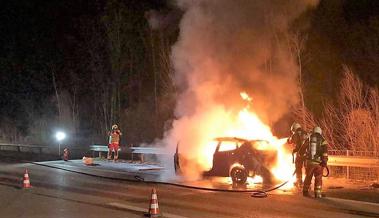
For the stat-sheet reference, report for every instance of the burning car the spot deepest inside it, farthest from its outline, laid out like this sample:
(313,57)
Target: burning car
(239,159)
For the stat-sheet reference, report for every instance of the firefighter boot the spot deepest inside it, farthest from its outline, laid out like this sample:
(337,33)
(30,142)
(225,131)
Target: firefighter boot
(318,192)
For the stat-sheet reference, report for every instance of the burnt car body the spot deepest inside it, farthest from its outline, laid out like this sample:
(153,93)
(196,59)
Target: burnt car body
(236,158)
(239,158)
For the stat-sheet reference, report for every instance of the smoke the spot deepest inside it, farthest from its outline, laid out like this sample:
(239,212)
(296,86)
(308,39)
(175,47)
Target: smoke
(226,47)
(162,19)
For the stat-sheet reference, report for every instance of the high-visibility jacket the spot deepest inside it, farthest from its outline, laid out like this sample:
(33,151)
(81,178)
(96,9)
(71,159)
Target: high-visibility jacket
(115,136)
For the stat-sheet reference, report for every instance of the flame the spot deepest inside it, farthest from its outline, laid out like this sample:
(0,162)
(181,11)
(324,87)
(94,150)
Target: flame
(251,181)
(247,125)
(245,96)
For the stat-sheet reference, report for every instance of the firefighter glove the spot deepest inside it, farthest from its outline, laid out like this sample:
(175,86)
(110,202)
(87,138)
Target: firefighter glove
(323,164)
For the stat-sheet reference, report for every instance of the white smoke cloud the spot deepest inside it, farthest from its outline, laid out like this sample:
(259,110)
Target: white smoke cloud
(225,47)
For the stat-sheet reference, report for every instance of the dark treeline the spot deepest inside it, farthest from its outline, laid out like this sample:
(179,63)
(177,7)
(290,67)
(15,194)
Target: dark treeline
(82,65)
(340,73)
(341,32)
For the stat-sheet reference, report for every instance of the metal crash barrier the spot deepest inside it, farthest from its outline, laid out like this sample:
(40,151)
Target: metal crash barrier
(356,165)
(132,150)
(99,149)
(22,147)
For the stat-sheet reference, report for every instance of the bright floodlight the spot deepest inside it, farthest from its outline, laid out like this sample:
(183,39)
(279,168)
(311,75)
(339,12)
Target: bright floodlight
(60,136)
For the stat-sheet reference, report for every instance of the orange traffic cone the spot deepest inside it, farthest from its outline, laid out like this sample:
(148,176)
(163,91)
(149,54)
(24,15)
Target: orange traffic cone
(26,182)
(154,209)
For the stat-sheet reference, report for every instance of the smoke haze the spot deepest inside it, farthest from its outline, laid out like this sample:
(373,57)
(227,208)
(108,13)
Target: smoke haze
(226,47)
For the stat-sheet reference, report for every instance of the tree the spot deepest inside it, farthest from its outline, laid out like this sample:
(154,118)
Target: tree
(352,123)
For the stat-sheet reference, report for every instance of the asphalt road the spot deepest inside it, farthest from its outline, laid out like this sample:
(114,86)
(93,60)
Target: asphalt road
(59,193)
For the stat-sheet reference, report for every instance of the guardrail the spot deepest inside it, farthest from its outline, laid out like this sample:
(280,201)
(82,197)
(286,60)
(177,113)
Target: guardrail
(354,153)
(148,150)
(132,150)
(353,161)
(99,149)
(22,147)
(351,158)
(341,159)
(359,165)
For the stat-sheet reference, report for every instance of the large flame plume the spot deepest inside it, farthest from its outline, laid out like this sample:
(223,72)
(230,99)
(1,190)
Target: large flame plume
(235,76)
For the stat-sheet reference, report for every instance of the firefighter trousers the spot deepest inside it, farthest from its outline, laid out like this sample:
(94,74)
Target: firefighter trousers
(313,169)
(299,163)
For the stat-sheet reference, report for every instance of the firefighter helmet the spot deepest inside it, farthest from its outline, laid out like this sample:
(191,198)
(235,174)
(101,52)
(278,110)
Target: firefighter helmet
(114,126)
(294,127)
(318,130)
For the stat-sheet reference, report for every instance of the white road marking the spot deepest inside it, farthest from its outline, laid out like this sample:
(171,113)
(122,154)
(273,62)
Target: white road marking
(139,209)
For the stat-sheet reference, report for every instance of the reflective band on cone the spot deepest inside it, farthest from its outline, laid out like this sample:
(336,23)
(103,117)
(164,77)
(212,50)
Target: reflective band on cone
(26,180)
(154,208)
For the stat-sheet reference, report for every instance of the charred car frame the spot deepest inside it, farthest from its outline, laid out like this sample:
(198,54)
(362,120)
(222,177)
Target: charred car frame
(239,158)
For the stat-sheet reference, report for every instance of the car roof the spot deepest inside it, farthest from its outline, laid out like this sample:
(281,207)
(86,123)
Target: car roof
(237,139)
(231,139)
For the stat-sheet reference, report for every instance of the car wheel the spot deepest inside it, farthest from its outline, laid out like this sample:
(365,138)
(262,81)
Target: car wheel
(238,175)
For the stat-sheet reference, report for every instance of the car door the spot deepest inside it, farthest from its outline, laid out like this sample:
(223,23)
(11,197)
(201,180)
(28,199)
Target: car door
(223,157)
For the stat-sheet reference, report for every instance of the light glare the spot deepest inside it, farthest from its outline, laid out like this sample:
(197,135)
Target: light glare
(60,136)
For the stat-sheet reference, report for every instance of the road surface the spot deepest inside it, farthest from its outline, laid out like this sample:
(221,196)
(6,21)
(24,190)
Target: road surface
(59,193)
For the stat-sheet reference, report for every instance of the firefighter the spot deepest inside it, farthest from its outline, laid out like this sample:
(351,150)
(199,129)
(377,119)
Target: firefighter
(297,139)
(66,154)
(316,159)
(114,141)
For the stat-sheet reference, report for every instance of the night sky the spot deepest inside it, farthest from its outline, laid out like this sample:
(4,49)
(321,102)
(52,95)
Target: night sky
(65,37)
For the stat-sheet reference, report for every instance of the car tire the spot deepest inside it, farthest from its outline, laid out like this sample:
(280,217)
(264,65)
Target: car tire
(238,175)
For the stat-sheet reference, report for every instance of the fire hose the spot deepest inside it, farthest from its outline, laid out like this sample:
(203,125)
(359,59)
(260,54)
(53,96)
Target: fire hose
(254,193)
(327,172)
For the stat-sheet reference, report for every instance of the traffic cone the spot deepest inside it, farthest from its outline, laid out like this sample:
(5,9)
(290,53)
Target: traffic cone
(154,208)
(26,182)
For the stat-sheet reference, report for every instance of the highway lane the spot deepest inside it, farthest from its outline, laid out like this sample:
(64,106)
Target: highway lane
(58,193)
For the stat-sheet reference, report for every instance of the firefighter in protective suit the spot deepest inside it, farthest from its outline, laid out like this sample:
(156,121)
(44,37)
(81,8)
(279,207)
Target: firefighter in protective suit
(114,141)
(316,159)
(297,139)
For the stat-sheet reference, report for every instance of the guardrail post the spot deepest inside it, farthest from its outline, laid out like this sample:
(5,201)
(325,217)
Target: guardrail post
(142,158)
(347,167)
